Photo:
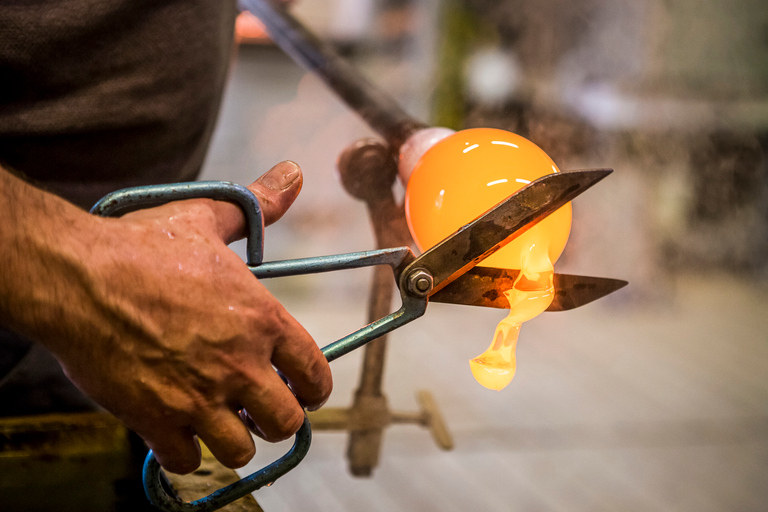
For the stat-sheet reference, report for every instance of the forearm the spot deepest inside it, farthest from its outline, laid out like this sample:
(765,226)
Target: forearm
(43,240)
(157,320)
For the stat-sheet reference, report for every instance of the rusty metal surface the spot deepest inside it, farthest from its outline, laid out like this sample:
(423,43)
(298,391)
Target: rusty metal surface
(368,171)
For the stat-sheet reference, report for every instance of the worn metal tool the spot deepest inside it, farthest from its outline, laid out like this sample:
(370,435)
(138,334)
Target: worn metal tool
(442,271)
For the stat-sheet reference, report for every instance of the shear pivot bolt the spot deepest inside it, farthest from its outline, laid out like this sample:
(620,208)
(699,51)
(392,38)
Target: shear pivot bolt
(420,283)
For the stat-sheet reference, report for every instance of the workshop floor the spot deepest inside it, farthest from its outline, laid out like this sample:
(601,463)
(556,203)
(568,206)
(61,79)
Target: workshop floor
(641,402)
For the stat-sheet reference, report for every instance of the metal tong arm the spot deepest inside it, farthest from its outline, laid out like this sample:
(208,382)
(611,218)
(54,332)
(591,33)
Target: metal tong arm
(397,258)
(161,494)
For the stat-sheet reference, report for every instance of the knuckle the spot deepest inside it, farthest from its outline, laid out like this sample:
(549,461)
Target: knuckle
(286,427)
(291,425)
(320,380)
(267,318)
(202,208)
(180,465)
(240,458)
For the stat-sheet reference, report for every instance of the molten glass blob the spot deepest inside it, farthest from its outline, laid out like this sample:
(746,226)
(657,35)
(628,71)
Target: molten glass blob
(530,295)
(459,179)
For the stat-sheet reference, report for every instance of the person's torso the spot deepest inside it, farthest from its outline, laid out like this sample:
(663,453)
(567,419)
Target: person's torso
(99,94)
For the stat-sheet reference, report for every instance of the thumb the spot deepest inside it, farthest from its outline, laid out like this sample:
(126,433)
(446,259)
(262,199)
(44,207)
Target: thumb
(276,190)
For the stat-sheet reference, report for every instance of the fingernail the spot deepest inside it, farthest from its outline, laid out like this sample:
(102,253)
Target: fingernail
(281,176)
(316,407)
(246,418)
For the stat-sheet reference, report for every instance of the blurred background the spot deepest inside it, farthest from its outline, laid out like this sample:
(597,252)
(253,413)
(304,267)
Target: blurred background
(655,398)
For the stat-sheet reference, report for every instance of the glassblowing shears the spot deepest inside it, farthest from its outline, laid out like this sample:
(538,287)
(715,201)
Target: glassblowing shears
(446,272)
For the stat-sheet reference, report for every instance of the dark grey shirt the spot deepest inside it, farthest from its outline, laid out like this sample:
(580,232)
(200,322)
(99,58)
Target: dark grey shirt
(96,95)
(100,94)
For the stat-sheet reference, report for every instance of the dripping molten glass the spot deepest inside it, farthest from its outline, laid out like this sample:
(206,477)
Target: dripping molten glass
(530,295)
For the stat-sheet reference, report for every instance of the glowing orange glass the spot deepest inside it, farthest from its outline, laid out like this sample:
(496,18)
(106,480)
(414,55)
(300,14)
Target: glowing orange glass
(459,179)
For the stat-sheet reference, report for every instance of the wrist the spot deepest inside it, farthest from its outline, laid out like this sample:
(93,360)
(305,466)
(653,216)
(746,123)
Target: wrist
(45,244)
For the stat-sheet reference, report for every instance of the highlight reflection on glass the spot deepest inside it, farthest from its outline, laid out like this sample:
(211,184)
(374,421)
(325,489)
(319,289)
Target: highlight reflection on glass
(459,179)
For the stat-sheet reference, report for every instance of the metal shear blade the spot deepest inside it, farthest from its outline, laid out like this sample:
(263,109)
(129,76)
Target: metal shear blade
(497,227)
(453,261)
(483,286)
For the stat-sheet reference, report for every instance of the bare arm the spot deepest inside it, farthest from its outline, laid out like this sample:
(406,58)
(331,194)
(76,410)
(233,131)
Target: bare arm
(157,320)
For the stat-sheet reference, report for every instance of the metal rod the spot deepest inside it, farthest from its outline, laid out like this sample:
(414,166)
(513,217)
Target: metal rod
(388,221)
(393,257)
(382,113)
(368,172)
(412,308)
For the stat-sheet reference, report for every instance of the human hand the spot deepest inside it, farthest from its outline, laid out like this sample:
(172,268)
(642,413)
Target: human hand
(174,335)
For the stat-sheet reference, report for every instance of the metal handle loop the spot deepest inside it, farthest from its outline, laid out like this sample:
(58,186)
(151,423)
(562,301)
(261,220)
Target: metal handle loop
(161,494)
(132,199)
(159,491)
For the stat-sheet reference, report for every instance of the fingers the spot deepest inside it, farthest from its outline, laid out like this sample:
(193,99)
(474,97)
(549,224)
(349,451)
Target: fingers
(176,449)
(275,412)
(223,432)
(276,190)
(304,365)
(227,437)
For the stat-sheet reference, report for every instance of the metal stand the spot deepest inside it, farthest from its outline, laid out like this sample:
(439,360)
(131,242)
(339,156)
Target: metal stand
(368,171)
